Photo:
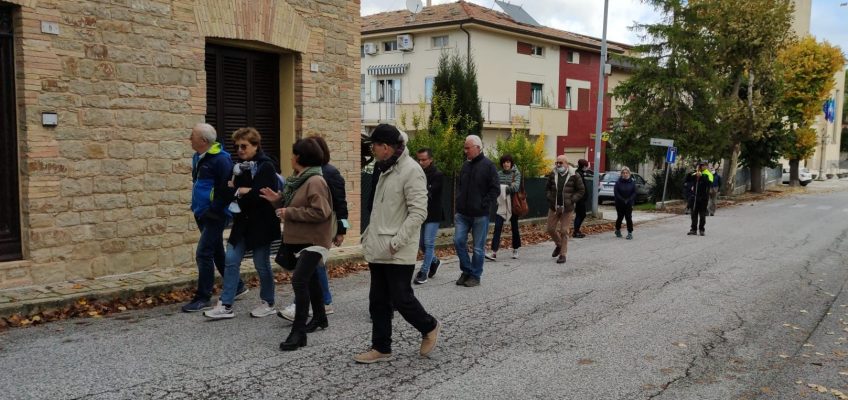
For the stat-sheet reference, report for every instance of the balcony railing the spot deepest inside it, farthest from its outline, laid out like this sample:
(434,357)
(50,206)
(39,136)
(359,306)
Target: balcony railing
(495,115)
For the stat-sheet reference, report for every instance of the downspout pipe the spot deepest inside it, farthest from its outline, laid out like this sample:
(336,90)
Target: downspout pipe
(468,49)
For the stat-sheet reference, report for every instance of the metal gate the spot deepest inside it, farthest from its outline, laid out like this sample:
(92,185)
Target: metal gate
(10,217)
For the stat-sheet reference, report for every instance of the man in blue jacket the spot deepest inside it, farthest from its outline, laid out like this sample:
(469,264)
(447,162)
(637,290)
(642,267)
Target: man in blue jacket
(211,169)
(477,191)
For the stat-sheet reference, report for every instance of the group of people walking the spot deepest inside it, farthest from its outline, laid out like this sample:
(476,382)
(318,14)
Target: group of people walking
(308,212)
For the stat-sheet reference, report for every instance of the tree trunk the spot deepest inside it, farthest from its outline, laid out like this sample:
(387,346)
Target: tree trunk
(731,167)
(793,173)
(757,184)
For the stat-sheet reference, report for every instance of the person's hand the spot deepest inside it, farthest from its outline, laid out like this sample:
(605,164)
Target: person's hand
(243,191)
(281,213)
(230,183)
(338,240)
(270,195)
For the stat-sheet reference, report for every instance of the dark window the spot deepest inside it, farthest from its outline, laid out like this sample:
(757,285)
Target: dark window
(10,217)
(242,89)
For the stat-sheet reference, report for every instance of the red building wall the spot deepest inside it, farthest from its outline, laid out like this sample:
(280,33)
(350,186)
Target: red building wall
(581,119)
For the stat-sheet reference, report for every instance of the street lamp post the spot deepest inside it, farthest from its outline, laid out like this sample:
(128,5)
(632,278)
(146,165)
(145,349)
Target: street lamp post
(600,116)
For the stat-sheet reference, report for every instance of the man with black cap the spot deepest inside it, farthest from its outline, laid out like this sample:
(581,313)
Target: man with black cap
(398,207)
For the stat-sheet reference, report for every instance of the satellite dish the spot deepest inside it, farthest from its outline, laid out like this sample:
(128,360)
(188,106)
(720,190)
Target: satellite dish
(414,6)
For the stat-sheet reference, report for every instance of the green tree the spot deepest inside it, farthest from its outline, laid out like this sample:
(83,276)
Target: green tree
(528,153)
(674,92)
(440,137)
(808,69)
(457,77)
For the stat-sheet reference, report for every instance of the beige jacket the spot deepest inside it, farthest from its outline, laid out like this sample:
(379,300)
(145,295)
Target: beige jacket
(400,207)
(308,216)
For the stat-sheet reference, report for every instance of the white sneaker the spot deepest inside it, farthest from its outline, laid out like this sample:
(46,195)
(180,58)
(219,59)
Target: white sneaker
(515,253)
(288,312)
(263,310)
(491,256)
(328,309)
(219,312)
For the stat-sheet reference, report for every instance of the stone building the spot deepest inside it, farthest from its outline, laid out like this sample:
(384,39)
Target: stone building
(97,100)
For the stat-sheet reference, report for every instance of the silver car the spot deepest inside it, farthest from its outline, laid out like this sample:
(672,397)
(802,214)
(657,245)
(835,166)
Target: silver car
(804,176)
(607,183)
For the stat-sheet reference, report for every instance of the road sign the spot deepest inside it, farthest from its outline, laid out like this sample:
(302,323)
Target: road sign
(662,142)
(671,155)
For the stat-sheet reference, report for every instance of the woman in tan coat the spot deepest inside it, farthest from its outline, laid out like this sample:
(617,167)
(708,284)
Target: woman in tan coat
(305,209)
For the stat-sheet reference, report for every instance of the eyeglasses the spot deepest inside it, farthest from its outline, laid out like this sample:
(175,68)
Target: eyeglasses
(242,146)
(558,163)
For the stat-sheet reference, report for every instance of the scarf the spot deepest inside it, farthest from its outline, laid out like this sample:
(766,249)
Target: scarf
(384,165)
(293,183)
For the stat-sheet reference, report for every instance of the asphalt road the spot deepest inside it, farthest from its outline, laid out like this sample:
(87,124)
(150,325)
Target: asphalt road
(747,311)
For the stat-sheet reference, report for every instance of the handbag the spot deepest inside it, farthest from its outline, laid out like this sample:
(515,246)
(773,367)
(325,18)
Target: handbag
(519,201)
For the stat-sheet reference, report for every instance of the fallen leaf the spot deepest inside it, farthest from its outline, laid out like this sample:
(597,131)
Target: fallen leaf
(585,361)
(122,308)
(77,286)
(831,333)
(783,356)
(803,311)
(839,395)
(819,354)
(808,345)
(818,388)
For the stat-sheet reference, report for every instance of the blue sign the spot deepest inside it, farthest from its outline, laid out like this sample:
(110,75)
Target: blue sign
(671,155)
(829,109)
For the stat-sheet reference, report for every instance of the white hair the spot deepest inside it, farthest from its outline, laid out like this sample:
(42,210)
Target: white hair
(475,140)
(207,132)
(625,169)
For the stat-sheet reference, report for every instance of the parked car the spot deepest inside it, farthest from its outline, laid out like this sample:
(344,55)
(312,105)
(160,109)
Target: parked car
(607,183)
(804,176)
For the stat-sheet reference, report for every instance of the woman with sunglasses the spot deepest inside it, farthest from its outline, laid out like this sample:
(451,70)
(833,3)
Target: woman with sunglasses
(254,225)
(305,208)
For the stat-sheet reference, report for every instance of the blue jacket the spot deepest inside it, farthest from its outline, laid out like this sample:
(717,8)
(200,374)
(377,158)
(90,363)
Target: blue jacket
(210,195)
(625,192)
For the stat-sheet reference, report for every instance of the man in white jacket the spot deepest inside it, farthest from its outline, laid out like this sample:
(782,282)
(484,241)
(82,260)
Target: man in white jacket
(390,245)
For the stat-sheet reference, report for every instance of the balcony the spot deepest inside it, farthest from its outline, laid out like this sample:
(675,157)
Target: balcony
(551,121)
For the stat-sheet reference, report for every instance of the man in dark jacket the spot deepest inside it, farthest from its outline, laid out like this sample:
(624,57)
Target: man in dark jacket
(430,227)
(211,167)
(580,207)
(476,192)
(700,185)
(563,189)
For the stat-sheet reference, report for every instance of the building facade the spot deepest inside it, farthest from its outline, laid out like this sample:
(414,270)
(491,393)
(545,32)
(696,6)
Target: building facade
(529,76)
(98,99)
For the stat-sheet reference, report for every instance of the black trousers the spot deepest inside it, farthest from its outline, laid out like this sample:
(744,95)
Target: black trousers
(699,217)
(391,285)
(496,236)
(625,212)
(579,215)
(307,288)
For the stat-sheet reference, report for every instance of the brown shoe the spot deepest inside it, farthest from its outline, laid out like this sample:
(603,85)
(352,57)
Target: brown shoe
(556,251)
(561,259)
(428,343)
(372,356)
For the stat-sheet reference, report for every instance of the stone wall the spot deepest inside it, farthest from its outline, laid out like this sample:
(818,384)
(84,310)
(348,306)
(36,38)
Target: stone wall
(107,190)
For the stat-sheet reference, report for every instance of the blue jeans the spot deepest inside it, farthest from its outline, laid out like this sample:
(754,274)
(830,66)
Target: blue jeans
(324,280)
(210,255)
(479,227)
(427,244)
(262,262)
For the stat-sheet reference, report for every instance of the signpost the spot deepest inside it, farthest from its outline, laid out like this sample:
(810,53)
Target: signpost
(670,158)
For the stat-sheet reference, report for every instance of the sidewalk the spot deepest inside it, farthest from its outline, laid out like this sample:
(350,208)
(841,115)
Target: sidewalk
(26,301)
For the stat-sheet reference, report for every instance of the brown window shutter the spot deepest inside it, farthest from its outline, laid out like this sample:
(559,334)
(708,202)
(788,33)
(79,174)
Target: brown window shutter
(583,99)
(522,93)
(524,48)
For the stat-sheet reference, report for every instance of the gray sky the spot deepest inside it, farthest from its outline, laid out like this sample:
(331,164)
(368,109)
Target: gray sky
(587,16)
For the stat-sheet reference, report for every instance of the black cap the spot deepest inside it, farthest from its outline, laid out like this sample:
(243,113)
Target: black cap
(385,133)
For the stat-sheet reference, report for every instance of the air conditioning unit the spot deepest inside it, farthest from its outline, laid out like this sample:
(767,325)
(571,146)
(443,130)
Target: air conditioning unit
(404,42)
(370,48)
